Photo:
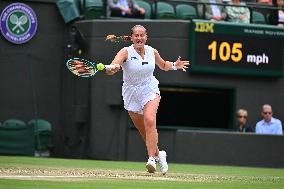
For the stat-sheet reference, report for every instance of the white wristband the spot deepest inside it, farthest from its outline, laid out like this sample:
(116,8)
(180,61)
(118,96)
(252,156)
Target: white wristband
(174,66)
(109,67)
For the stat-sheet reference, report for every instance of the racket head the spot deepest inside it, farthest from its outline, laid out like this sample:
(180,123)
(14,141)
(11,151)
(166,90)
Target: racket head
(14,19)
(23,19)
(81,67)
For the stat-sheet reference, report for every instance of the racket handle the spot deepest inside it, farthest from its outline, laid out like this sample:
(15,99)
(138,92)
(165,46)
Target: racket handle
(109,67)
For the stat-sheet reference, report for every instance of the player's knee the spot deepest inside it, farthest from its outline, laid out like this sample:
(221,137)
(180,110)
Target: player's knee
(150,122)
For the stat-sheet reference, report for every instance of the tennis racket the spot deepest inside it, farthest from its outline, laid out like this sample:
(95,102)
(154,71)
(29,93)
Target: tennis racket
(85,68)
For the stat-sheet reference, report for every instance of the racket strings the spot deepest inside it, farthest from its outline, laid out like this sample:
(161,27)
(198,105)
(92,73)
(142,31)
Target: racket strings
(80,68)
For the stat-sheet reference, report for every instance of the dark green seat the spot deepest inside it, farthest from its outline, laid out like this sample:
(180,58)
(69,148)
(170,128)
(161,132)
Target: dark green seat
(147,7)
(93,9)
(16,138)
(165,11)
(93,3)
(68,9)
(185,12)
(258,18)
(14,124)
(42,134)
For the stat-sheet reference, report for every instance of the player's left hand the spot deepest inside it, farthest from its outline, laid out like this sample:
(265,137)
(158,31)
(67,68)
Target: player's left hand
(182,64)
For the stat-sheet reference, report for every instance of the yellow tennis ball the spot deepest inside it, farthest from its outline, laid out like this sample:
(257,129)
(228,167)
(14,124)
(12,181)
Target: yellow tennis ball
(100,66)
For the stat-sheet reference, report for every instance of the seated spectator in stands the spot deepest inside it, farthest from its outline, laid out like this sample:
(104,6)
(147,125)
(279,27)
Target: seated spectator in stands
(269,124)
(238,14)
(212,11)
(242,125)
(280,4)
(277,16)
(125,8)
(265,2)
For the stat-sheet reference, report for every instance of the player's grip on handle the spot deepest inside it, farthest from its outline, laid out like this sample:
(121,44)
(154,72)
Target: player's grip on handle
(101,67)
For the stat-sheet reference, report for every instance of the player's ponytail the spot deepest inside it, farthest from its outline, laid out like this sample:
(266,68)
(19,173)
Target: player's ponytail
(117,39)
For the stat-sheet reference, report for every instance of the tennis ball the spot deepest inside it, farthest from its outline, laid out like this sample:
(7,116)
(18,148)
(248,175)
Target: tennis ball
(100,66)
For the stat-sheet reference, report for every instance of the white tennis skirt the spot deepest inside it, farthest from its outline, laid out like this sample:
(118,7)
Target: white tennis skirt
(136,96)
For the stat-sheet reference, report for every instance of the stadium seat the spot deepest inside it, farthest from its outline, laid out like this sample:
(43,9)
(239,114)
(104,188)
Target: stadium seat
(14,123)
(16,138)
(93,3)
(68,10)
(147,7)
(93,9)
(165,11)
(42,134)
(185,12)
(258,18)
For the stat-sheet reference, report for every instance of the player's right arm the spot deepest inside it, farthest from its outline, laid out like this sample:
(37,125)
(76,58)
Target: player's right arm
(118,60)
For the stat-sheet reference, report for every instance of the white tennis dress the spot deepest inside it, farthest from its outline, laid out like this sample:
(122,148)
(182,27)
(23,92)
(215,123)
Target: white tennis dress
(139,84)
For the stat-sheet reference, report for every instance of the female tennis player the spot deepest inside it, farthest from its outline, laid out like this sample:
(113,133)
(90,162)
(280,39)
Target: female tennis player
(140,90)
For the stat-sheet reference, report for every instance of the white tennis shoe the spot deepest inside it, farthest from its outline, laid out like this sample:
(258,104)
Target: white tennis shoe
(151,165)
(162,160)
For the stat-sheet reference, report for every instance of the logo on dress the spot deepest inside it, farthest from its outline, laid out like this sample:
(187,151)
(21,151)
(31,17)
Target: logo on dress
(18,23)
(133,58)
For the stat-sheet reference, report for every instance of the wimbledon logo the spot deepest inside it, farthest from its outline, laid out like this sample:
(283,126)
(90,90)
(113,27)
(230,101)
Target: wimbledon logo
(18,23)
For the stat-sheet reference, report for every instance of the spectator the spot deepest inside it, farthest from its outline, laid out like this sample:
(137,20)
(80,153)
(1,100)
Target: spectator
(212,11)
(125,8)
(269,124)
(277,16)
(238,13)
(242,125)
(264,2)
(280,4)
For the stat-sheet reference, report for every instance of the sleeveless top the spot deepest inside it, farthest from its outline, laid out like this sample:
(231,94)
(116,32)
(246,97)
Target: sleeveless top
(137,70)
(139,83)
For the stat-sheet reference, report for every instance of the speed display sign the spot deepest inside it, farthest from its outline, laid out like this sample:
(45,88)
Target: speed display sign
(229,48)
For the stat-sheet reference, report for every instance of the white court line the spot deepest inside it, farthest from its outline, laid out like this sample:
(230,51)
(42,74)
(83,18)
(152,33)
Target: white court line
(46,176)
(24,177)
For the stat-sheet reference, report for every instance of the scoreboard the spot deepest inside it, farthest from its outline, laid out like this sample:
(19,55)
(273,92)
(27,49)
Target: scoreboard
(230,48)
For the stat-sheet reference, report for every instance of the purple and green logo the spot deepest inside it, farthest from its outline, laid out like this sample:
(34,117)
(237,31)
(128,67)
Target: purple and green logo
(18,23)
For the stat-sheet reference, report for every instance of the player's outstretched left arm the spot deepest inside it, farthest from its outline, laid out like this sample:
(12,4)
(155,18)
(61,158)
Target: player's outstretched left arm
(168,65)
(180,64)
